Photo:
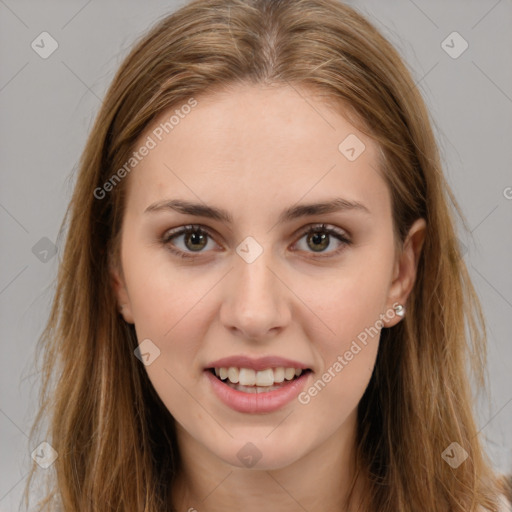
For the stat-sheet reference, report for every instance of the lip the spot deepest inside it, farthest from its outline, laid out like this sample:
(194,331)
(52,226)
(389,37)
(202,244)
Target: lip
(261,363)
(257,403)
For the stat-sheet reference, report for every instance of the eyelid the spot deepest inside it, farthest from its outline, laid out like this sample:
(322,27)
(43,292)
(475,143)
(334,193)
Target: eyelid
(323,226)
(342,235)
(183,230)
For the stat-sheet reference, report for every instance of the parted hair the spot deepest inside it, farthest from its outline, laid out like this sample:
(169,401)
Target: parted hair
(115,439)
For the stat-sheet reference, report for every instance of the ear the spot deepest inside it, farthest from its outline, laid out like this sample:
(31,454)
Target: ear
(121,293)
(404,273)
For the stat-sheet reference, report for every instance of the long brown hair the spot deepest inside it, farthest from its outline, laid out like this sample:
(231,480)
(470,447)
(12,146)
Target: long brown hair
(114,437)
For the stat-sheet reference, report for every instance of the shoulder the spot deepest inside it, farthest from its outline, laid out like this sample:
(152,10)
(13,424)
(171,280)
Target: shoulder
(504,504)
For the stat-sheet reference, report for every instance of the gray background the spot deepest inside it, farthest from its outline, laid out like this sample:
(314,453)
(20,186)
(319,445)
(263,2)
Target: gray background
(48,105)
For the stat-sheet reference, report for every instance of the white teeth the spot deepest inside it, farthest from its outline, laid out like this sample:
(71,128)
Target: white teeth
(289,373)
(265,377)
(233,374)
(247,377)
(252,389)
(261,378)
(278,374)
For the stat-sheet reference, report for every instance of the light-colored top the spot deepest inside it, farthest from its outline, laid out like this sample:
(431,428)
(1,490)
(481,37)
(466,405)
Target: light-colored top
(505,505)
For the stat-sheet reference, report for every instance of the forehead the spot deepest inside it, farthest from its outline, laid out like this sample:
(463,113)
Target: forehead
(267,144)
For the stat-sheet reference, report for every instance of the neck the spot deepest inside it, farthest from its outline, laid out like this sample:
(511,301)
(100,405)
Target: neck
(320,481)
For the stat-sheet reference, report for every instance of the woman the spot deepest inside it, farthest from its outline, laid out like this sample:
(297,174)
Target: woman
(261,301)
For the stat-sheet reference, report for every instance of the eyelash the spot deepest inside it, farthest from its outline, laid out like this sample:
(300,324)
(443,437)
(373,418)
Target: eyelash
(194,228)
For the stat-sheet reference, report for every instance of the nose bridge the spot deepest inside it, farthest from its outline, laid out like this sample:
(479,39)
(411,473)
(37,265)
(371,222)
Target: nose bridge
(254,302)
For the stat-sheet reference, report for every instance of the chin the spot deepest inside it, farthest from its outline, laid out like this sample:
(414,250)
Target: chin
(260,454)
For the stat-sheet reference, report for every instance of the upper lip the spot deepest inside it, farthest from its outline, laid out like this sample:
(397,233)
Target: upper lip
(261,363)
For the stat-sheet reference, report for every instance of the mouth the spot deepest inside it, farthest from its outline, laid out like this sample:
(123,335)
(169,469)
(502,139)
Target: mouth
(252,391)
(247,380)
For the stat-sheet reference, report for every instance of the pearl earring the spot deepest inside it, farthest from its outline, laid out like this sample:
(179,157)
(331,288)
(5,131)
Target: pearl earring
(399,310)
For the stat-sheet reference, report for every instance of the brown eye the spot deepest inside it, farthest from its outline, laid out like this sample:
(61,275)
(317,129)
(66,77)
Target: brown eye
(318,241)
(195,240)
(319,238)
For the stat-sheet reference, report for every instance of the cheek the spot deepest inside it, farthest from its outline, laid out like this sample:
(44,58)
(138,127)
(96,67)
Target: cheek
(163,295)
(348,311)
(348,354)
(346,303)
(170,308)
(174,314)
(175,317)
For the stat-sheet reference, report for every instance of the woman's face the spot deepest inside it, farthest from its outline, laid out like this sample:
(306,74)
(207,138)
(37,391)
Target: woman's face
(254,284)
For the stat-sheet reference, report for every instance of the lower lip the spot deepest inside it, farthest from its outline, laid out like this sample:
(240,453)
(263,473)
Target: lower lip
(255,403)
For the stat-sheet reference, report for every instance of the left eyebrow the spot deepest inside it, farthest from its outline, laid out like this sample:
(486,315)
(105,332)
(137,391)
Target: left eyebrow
(289,214)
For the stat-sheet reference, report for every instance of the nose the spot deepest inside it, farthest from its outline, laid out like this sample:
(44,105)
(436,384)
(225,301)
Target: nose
(256,300)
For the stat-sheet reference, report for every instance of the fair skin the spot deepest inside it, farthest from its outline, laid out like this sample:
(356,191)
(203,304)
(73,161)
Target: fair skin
(255,152)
